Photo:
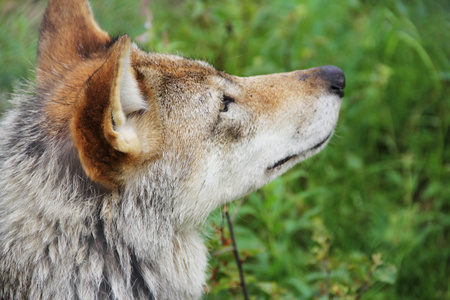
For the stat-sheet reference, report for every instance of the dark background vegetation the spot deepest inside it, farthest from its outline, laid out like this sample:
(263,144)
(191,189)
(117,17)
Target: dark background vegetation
(368,217)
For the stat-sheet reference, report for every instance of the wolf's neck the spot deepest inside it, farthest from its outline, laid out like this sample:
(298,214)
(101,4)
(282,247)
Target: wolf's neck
(124,243)
(153,251)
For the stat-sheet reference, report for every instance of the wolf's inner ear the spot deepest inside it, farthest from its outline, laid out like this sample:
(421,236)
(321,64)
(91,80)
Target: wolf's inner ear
(107,140)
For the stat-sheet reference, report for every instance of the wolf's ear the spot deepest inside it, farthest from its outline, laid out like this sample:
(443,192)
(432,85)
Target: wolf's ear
(104,124)
(68,35)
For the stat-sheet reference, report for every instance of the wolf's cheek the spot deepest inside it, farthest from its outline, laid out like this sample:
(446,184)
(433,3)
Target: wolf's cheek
(232,127)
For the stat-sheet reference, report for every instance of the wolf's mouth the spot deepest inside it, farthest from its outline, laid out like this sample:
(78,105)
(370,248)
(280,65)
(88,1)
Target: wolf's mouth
(288,158)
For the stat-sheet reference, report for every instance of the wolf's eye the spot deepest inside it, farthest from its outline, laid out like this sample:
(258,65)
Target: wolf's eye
(226,100)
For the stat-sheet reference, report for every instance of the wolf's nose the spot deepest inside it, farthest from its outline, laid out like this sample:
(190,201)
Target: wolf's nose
(335,77)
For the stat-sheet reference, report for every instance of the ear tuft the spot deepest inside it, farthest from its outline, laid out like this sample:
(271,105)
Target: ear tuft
(130,95)
(125,92)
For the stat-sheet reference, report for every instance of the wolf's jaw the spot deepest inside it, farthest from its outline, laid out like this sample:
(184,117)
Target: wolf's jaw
(302,155)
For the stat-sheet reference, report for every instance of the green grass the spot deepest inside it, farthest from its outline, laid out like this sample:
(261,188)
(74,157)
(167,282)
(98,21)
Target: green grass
(383,185)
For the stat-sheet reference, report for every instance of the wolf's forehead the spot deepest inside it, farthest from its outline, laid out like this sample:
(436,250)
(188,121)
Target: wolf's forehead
(178,61)
(169,62)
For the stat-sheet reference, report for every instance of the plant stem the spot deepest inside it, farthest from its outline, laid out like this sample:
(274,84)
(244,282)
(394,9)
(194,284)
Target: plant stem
(235,252)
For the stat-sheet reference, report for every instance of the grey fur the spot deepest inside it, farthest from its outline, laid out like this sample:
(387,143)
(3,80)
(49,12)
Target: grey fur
(64,237)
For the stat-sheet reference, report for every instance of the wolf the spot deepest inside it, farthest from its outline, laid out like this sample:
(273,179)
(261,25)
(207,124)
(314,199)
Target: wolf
(112,160)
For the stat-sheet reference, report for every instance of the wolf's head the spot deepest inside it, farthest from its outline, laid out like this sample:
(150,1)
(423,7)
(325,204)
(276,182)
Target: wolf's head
(179,125)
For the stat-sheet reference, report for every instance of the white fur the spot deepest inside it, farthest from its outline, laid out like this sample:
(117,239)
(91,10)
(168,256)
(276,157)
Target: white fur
(131,101)
(130,95)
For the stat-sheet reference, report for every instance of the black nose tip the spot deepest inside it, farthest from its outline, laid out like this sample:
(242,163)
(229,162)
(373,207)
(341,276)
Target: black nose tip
(335,77)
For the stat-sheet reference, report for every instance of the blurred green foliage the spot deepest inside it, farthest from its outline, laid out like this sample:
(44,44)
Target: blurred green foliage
(368,218)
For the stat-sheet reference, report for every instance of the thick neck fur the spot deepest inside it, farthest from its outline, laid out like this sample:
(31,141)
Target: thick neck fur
(64,237)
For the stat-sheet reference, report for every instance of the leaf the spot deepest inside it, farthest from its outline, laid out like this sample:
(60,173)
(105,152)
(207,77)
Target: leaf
(386,273)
